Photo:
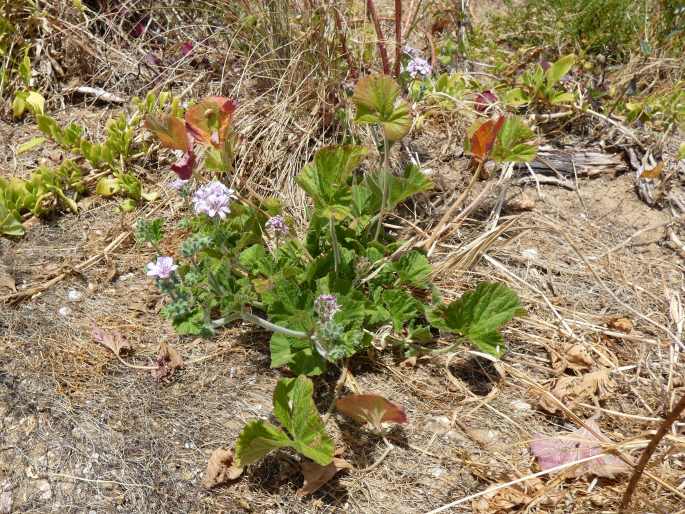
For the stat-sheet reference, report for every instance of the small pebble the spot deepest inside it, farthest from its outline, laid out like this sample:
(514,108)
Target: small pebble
(74,296)
(64,311)
(530,253)
(521,406)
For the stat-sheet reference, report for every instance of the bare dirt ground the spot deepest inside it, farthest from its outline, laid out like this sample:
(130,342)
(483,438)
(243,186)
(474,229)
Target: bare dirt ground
(82,432)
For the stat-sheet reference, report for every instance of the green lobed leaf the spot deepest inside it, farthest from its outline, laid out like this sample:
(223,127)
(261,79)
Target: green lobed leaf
(30,145)
(10,222)
(298,354)
(558,69)
(257,439)
(325,179)
(479,314)
(294,407)
(377,98)
(513,142)
(413,269)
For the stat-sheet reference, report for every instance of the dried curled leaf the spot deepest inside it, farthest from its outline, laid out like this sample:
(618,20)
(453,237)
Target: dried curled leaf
(574,357)
(624,325)
(315,475)
(371,408)
(221,468)
(570,390)
(115,341)
(168,361)
(577,445)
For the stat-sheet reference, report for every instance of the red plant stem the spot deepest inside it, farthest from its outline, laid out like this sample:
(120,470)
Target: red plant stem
(646,455)
(379,34)
(398,36)
(343,44)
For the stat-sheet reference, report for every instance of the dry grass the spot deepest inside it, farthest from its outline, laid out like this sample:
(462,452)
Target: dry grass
(109,438)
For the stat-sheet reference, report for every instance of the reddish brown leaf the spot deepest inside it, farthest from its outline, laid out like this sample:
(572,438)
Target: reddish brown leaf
(170,131)
(168,361)
(484,138)
(210,120)
(577,445)
(184,166)
(115,341)
(221,468)
(316,475)
(371,408)
(484,100)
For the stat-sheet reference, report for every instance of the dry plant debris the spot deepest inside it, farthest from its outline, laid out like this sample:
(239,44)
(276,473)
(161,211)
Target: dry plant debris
(315,475)
(221,468)
(115,341)
(578,445)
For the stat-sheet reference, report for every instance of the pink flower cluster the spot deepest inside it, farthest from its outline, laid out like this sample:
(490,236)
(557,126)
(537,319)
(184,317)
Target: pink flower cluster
(213,199)
(419,67)
(277,225)
(163,268)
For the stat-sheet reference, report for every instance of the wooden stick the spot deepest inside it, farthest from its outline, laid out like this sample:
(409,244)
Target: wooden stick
(343,44)
(651,447)
(379,34)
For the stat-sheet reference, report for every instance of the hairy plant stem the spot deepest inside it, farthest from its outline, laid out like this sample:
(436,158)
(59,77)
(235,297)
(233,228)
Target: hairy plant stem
(267,325)
(334,245)
(371,7)
(398,36)
(385,169)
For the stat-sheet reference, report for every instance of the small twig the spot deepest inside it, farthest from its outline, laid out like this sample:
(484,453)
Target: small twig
(381,458)
(343,44)
(442,224)
(98,93)
(514,482)
(646,455)
(624,130)
(641,231)
(379,34)
(336,392)
(96,481)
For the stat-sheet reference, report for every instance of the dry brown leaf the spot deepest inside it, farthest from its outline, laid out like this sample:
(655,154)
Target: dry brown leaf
(486,437)
(505,500)
(570,390)
(580,444)
(115,341)
(168,361)
(7,284)
(316,475)
(624,325)
(574,357)
(221,468)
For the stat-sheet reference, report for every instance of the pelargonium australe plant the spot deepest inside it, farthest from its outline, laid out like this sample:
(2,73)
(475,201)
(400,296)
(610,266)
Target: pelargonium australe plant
(322,296)
(325,295)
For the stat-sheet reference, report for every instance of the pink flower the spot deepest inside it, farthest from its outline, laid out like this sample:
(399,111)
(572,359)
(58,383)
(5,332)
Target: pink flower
(163,268)
(178,184)
(419,67)
(213,199)
(277,225)
(186,48)
(326,306)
